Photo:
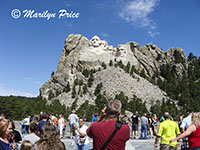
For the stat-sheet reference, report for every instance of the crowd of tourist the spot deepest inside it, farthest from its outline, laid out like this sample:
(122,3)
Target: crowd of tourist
(109,130)
(38,132)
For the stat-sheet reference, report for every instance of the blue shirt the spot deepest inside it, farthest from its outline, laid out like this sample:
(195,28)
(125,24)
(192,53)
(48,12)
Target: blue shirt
(4,146)
(186,122)
(40,124)
(94,118)
(144,120)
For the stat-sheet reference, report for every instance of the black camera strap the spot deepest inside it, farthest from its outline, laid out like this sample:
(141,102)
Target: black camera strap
(118,125)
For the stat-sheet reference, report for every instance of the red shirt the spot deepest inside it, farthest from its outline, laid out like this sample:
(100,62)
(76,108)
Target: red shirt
(101,131)
(194,138)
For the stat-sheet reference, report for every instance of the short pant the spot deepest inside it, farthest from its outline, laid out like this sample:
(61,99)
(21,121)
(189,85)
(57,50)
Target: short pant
(167,147)
(134,127)
(72,126)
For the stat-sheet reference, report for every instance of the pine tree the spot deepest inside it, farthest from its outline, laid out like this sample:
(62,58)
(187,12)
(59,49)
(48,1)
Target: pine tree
(120,64)
(98,89)
(85,89)
(86,73)
(74,92)
(127,68)
(90,80)
(103,65)
(51,95)
(76,81)
(111,63)
(67,88)
(52,74)
(142,73)
(79,90)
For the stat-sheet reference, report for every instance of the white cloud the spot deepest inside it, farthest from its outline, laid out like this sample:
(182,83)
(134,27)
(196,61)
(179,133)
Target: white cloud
(137,13)
(152,34)
(69,25)
(101,5)
(31,81)
(36,82)
(8,92)
(28,78)
(67,4)
(105,35)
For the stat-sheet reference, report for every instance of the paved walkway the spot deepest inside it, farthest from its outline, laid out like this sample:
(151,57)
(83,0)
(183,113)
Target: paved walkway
(132,144)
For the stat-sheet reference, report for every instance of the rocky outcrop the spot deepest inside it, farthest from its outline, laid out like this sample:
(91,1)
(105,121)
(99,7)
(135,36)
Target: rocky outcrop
(79,53)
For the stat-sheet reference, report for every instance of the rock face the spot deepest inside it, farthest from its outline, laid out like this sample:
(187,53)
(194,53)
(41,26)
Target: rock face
(79,53)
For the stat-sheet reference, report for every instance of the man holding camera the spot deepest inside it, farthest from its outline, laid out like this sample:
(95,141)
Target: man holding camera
(109,133)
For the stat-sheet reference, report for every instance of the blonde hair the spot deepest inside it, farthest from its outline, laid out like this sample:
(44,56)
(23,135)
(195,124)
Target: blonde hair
(26,145)
(196,118)
(3,127)
(35,119)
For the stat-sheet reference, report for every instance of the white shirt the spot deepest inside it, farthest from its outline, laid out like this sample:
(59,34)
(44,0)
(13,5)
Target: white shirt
(83,129)
(61,122)
(72,118)
(186,122)
(32,138)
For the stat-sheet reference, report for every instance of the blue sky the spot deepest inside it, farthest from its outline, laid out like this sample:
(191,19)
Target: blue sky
(30,48)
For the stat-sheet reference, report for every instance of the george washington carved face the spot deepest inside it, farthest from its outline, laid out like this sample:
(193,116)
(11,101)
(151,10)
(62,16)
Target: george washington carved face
(95,41)
(121,49)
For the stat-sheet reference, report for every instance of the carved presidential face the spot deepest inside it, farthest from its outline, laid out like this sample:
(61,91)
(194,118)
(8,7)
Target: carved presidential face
(121,50)
(95,41)
(104,44)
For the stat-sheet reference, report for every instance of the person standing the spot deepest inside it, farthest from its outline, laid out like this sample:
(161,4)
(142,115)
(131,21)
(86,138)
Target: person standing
(49,139)
(61,125)
(144,123)
(27,123)
(101,130)
(81,138)
(5,130)
(167,130)
(135,120)
(15,136)
(95,117)
(155,124)
(193,133)
(187,121)
(43,120)
(23,128)
(32,137)
(150,126)
(72,119)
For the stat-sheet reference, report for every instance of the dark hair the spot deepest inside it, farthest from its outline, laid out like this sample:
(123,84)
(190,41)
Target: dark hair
(26,145)
(33,127)
(13,124)
(44,116)
(49,139)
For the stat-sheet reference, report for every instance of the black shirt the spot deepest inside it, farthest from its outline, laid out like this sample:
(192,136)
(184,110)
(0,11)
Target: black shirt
(135,119)
(14,137)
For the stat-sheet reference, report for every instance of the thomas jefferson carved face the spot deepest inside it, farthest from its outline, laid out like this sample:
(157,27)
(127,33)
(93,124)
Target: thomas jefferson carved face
(95,41)
(104,44)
